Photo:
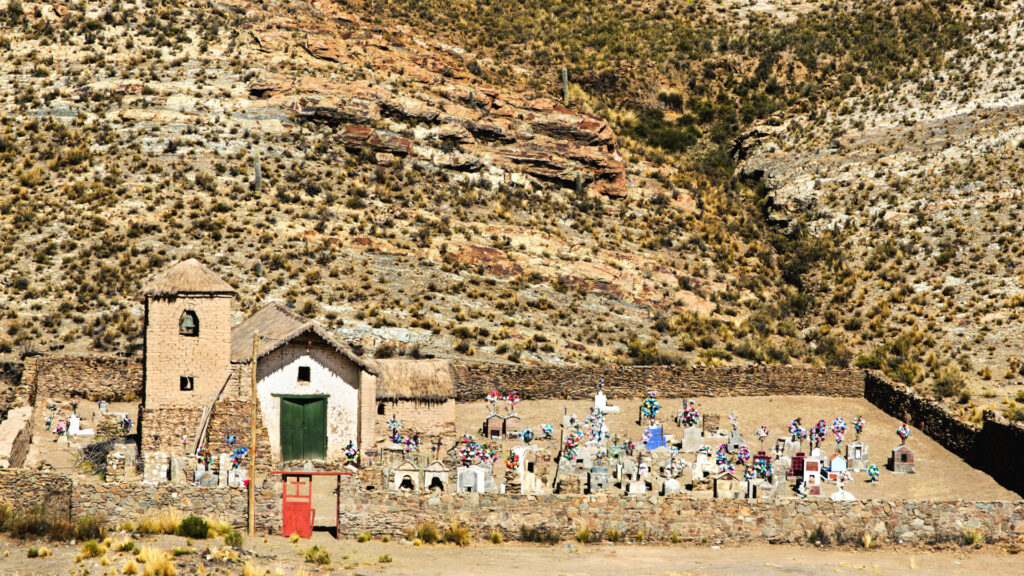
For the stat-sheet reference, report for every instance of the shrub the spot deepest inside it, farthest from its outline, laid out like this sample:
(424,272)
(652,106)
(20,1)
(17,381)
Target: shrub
(29,523)
(91,527)
(33,552)
(317,555)
(234,539)
(427,532)
(194,527)
(92,549)
(364,537)
(126,545)
(613,535)
(156,562)
(385,559)
(948,382)
(181,551)
(294,538)
(457,533)
(583,535)
(495,537)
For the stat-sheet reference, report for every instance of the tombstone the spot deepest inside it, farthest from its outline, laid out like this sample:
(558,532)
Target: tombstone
(586,456)
(762,457)
(601,404)
(406,477)
(598,480)
(751,489)
(494,427)
(902,460)
(836,466)
(655,437)
(797,469)
(693,438)
(812,476)
(857,456)
(200,472)
(467,479)
(513,426)
(225,464)
(709,424)
(75,427)
(816,453)
(237,477)
(727,485)
(636,488)
(435,477)
(628,471)
(671,487)
(209,480)
(178,470)
(735,441)
(842,496)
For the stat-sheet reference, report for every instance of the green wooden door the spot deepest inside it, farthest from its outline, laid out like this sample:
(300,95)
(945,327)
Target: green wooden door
(303,428)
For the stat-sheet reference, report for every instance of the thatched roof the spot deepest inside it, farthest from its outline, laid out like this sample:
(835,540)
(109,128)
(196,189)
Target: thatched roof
(401,379)
(278,325)
(188,277)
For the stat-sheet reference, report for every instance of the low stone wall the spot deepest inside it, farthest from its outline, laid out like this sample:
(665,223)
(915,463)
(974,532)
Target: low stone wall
(93,377)
(120,502)
(473,381)
(24,489)
(732,521)
(988,448)
(11,393)
(15,437)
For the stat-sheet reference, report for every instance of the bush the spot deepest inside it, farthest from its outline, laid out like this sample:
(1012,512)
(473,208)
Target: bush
(317,555)
(194,527)
(92,549)
(583,535)
(495,537)
(538,534)
(234,539)
(364,537)
(427,532)
(613,535)
(948,382)
(457,533)
(385,559)
(157,562)
(90,527)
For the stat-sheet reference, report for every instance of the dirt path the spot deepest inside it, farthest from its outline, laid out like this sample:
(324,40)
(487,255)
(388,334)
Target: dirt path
(350,557)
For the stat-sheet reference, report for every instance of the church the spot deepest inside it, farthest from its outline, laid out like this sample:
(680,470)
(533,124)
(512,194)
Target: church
(315,396)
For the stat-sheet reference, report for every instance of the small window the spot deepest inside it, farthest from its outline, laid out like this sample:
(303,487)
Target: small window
(903,457)
(380,409)
(187,383)
(303,373)
(188,324)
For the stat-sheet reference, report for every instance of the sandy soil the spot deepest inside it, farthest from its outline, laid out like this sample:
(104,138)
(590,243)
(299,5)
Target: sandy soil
(940,475)
(275,554)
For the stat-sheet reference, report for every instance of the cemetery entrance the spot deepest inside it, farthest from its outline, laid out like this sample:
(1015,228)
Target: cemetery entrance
(310,500)
(303,427)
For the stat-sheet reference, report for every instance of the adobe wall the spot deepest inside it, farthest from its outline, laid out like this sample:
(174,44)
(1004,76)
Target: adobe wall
(231,416)
(728,521)
(473,381)
(427,418)
(94,377)
(24,489)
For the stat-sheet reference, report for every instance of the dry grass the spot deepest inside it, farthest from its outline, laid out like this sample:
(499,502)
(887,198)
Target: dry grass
(156,562)
(165,521)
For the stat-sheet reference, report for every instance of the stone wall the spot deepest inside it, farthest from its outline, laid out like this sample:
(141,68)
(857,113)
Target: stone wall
(163,429)
(12,394)
(427,418)
(93,377)
(987,448)
(473,381)
(732,521)
(231,416)
(15,437)
(25,489)
(129,501)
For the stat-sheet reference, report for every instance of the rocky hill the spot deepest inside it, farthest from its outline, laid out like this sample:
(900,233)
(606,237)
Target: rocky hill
(776,182)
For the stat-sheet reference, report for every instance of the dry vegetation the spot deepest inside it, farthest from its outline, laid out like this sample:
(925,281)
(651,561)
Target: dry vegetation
(129,135)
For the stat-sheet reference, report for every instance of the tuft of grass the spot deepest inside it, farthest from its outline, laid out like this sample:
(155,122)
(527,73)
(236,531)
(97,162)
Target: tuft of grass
(364,537)
(385,538)
(181,551)
(427,532)
(318,555)
(126,545)
(130,567)
(613,535)
(583,535)
(194,527)
(538,534)
(495,537)
(251,568)
(385,559)
(675,538)
(220,527)
(92,549)
(973,536)
(294,538)
(457,533)
(165,521)
(866,541)
(91,527)
(156,562)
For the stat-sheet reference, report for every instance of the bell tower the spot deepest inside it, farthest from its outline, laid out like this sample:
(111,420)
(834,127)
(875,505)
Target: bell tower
(187,350)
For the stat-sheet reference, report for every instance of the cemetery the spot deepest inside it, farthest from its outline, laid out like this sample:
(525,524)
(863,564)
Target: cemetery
(280,425)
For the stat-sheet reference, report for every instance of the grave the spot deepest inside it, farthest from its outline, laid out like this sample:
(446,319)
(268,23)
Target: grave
(435,476)
(655,437)
(693,438)
(601,403)
(797,469)
(513,426)
(735,441)
(902,460)
(857,456)
(671,487)
(836,466)
(812,477)
(494,427)
(598,479)
(710,424)
(728,486)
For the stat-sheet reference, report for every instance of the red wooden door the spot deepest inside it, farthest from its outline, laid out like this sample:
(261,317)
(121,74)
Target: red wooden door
(297,506)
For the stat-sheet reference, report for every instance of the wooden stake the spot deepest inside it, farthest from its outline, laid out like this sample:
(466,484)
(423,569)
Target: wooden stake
(252,440)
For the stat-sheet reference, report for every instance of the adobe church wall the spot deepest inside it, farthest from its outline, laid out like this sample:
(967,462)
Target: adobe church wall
(427,418)
(473,381)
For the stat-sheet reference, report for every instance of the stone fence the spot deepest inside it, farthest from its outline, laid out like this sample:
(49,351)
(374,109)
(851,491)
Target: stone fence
(473,381)
(93,377)
(24,489)
(990,448)
(659,518)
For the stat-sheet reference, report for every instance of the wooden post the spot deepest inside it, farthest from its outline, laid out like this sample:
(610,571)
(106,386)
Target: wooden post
(252,440)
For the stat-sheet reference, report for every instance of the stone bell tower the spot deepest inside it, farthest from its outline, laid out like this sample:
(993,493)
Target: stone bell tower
(187,352)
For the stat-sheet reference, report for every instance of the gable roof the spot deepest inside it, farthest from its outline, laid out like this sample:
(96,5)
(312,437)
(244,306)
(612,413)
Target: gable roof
(404,379)
(278,325)
(187,277)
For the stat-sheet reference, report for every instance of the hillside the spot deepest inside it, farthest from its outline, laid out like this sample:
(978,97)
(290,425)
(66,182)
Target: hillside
(767,181)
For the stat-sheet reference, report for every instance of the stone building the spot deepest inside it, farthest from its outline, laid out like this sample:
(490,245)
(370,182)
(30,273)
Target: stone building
(419,393)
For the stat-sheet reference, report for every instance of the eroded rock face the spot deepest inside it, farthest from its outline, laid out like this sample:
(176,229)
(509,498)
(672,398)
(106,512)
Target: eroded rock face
(412,97)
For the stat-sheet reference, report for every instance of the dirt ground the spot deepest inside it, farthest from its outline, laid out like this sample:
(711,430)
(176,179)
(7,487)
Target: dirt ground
(940,475)
(275,555)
